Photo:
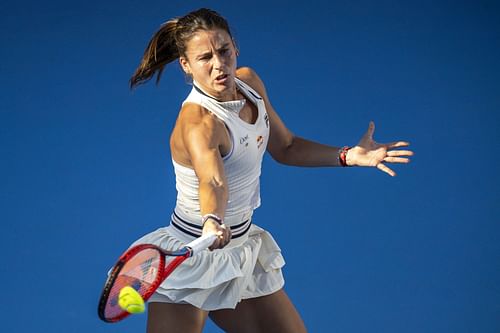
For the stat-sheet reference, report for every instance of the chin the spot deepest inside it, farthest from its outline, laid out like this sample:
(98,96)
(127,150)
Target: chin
(221,87)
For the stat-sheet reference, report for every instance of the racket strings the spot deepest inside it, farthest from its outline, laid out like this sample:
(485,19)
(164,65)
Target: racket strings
(140,272)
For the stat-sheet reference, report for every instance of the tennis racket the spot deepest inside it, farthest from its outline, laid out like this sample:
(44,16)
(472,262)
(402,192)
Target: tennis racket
(143,267)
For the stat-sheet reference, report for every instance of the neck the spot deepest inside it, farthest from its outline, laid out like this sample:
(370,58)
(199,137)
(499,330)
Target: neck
(228,96)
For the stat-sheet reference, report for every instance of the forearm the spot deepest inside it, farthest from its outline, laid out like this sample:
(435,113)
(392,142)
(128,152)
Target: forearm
(306,153)
(213,198)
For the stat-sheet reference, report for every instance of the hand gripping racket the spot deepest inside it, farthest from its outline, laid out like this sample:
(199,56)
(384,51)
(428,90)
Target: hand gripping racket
(143,267)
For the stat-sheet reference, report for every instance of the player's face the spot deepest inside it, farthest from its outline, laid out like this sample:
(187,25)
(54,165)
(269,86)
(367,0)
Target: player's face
(211,60)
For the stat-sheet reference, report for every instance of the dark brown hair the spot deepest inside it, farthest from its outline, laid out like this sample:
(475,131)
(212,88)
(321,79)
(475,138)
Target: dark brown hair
(169,42)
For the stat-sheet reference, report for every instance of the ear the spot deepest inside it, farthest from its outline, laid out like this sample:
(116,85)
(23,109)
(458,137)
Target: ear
(185,65)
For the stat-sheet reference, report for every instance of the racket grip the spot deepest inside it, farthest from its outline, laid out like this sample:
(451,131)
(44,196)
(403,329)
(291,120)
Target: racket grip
(201,243)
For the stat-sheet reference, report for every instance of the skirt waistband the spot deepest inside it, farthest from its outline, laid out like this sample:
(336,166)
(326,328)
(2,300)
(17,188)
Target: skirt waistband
(195,230)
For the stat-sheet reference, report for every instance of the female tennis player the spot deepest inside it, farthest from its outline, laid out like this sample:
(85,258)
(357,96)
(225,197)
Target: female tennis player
(224,127)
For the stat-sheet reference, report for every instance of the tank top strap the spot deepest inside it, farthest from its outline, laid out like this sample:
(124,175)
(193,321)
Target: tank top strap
(248,91)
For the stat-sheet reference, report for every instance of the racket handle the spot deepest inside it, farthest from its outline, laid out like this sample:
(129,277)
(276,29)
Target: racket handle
(201,243)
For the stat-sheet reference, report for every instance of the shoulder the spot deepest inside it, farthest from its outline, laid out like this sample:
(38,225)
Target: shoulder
(195,131)
(250,77)
(194,116)
(192,113)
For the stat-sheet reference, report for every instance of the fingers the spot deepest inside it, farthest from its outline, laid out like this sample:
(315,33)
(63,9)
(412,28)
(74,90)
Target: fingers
(399,153)
(396,160)
(386,169)
(394,156)
(397,144)
(223,237)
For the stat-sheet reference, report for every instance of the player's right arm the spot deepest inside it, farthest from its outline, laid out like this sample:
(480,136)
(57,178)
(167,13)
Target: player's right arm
(198,141)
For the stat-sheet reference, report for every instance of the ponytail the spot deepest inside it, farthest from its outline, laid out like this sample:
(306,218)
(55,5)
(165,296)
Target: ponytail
(160,51)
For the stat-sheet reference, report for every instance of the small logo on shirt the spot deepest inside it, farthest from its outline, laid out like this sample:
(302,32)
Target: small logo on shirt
(260,141)
(244,140)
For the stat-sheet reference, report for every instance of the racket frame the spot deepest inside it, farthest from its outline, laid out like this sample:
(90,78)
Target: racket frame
(165,271)
(180,255)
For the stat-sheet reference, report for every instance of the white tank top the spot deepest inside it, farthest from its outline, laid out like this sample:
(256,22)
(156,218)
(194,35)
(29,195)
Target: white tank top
(242,165)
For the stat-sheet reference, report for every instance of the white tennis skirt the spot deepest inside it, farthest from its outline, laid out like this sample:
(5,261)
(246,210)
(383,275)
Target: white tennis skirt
(248,267)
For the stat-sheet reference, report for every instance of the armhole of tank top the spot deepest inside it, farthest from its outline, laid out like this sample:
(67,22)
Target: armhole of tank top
(231,138)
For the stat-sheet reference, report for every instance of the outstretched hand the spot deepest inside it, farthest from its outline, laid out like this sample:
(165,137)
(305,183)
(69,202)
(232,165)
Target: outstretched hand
(373,154)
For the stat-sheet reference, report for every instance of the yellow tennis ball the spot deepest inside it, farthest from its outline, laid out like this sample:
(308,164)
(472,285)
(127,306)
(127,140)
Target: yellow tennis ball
(130,300)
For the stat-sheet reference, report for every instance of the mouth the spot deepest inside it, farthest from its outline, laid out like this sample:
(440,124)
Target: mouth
(221,78)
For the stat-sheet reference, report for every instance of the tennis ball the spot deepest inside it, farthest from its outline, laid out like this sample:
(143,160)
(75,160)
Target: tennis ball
(130,300)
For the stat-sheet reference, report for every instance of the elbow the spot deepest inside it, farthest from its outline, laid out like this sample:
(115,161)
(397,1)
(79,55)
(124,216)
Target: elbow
(279,157)
(283,153)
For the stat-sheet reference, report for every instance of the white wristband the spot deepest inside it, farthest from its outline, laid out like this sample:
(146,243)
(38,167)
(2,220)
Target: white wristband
(205,217)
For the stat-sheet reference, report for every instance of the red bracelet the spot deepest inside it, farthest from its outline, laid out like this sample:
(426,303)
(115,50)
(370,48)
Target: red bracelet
(343,156)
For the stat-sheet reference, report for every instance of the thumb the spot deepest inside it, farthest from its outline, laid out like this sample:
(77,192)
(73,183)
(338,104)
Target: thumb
(371,130)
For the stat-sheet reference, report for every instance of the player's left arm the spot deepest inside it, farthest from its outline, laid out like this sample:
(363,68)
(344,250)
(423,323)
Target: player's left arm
(284,146)
(290,149)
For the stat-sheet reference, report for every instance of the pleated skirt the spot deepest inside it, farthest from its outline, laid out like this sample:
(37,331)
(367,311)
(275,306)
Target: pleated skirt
(248,267)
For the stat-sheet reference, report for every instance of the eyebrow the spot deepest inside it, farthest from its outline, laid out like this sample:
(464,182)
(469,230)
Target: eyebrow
(223,46)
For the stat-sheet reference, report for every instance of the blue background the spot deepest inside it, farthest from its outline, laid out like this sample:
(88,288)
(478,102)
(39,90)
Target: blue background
(85,164)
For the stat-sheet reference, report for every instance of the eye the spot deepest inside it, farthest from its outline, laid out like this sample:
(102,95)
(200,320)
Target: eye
(205,57)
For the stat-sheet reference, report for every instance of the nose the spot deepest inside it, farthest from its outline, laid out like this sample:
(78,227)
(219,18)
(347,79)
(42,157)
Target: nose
(218,62)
